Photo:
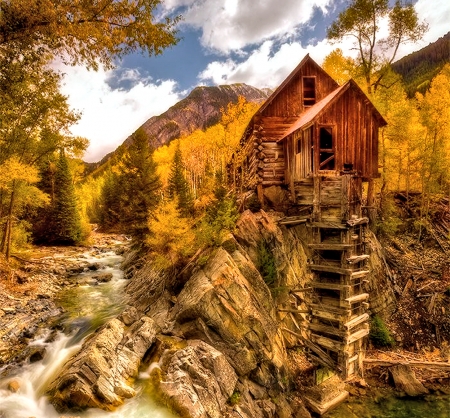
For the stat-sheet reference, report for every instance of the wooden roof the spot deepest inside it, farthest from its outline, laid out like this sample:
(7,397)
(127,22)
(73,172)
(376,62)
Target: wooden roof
(288,79)
(314,111)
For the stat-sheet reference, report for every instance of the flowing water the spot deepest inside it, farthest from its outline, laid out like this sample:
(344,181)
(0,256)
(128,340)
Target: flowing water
(88,306)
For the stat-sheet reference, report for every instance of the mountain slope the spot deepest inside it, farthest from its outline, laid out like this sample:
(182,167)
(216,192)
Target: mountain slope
(419,68)
(199,110)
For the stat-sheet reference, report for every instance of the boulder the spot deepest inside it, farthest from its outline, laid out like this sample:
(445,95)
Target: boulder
(228,304)
(405,380)
(198,381)
(103,277)
(98,376)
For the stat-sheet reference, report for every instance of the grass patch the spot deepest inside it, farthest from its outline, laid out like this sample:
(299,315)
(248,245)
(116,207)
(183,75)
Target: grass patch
(379,333)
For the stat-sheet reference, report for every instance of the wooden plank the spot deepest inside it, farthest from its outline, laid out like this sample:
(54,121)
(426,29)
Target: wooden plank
(331,286)
(327,314)
(327,329)
(304,289)
(330,246)
(357,335)
(357,221)
(328,225)
(297,311)
(330,269)
(356,321)
(413,363)
(332,345)
(358,274)
(297,222)
(357,258)
(357,298)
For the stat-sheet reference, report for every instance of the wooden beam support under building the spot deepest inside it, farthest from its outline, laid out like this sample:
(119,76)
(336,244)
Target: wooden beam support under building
(331,246)
(357,298)
(356,321)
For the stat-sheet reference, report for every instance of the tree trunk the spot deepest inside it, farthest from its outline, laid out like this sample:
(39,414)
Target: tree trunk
(6,241)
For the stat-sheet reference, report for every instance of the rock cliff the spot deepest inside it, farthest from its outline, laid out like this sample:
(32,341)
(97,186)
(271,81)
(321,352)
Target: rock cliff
(215,331)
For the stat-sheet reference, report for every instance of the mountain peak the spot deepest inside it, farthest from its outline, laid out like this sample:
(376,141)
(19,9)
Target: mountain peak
(199,110)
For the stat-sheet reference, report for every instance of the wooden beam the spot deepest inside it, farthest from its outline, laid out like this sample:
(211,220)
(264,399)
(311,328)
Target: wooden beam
(330,246)
(328,329)
(413,363)
(293,220)
(357,298)
(328,225)
(330,269)
(357,258)
(357,221)
(356,321)
(358,274)
(298,311)
(305,289)
(357,335)
(331,286)
(328,343)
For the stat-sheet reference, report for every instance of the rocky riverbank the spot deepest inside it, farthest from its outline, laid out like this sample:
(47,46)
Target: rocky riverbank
(213,339)
(28,285)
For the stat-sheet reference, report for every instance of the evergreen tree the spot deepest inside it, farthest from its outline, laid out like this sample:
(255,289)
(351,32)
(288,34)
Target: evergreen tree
(109,216)
(178,185)
(67,224)
(132,191)
(139,184)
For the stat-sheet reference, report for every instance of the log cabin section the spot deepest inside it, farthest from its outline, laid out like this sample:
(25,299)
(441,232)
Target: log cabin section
(317,143)
(310,126)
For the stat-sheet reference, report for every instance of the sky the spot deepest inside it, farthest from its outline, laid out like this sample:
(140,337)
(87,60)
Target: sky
(222,42)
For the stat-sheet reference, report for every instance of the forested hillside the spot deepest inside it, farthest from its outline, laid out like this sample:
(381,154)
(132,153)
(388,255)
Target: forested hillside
(420,67)
(199,110)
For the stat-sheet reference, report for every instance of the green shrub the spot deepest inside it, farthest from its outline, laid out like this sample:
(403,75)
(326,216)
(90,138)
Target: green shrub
(220,218)
(266,264)
(253,203)
(235,398)
(379,334)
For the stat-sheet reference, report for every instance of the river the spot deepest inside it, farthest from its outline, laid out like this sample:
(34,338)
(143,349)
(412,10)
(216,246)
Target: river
(87,307)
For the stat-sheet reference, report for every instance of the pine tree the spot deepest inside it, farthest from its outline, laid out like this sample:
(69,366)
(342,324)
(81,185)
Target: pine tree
(178,186)
(140,185)
(132,191)
(64,220)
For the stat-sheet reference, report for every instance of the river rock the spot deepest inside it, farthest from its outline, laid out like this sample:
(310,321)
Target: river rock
(98,376)
(406,381)
(198,381)
(226,302)
(103,277)
(14,386)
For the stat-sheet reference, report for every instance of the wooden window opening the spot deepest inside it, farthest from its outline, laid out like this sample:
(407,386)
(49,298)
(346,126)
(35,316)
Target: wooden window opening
(326,148)
(309,91)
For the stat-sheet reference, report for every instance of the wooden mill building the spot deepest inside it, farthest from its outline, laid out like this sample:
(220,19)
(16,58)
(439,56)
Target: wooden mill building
(317,143)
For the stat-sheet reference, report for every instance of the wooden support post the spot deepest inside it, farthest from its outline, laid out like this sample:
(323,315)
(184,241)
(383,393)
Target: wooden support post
(260,194)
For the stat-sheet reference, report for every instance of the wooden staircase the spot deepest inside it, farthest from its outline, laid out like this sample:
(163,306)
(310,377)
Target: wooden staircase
(339,319)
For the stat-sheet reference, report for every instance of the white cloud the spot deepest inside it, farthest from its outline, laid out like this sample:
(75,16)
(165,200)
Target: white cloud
(228,25)
(263,67)
(110,116)
(266,67)
(437,15)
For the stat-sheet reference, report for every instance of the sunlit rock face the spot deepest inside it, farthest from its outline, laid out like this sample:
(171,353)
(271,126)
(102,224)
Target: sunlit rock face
(98,376)
(214,331)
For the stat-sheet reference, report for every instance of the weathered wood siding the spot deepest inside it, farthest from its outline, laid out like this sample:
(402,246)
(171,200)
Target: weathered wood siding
(272,164)
(355,134)
(289,102)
